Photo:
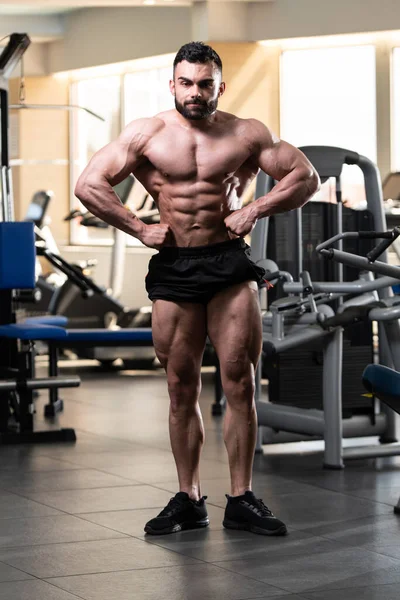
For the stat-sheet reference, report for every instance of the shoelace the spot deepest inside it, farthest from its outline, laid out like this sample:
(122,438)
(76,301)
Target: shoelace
(172,506)
(261,509)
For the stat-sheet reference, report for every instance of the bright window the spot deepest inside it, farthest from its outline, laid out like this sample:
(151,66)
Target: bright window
(102,96)
(328,97)
(396,110)
(142,93)
(146,93)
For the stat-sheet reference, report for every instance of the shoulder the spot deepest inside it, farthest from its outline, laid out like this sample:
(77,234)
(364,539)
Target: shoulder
(137,132)
(256,133)
(260,134)
(166,115)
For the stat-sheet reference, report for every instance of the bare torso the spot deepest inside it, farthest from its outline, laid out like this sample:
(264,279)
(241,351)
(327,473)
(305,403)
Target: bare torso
(197,175)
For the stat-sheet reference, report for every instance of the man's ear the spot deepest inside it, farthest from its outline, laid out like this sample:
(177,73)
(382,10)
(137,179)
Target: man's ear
(172,86)
(222,89)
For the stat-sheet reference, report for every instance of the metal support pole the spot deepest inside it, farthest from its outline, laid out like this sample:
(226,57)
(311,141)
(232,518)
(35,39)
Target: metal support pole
(332,401)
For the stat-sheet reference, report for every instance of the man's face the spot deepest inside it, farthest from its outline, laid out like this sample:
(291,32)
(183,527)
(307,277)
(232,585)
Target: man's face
(196,88)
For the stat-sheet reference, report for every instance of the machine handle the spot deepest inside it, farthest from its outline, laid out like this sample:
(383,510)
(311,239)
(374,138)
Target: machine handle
(384,244)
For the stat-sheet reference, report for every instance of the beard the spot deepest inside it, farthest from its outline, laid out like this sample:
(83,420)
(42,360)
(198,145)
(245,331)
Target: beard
(201,111)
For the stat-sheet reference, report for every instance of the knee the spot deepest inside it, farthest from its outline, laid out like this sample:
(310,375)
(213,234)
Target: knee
(184,388)
(162,357)
(238,381)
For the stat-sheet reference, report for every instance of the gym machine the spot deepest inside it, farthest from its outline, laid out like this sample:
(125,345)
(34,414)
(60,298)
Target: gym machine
(17,271)
(382,382)
(313,316)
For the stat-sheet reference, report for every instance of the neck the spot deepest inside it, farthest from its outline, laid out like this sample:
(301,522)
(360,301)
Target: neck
(199,124)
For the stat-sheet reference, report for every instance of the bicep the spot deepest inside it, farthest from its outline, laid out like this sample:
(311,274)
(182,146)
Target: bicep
(114,162)
(277,157)
(119,158)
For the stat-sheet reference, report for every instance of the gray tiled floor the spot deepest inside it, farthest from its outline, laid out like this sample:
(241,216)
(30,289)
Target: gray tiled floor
(204,581)
(72,515)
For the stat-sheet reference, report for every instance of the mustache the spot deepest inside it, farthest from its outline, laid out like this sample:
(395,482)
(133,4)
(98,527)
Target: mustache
(199,102)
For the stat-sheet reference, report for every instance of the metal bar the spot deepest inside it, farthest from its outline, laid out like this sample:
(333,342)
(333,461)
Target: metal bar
(362,426)
(299,241)
(8,386)
(291,418)
(339,236)
(46,383)
(355,427)
(332,400)
(53,372)
(371,451)
(291,320)
(384,314)
(383,245)
(3,194)
(352,287)
(296,340)
(12,53)
(362,262)
(56,107)
(10,196)
(33,162)
(339,226)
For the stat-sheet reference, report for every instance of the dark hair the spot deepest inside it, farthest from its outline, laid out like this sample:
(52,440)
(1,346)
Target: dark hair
(197,52)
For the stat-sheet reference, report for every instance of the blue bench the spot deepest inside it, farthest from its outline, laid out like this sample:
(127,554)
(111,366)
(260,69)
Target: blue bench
(56,320)
(17,380)
(17,376)
(84,338)
(384,383)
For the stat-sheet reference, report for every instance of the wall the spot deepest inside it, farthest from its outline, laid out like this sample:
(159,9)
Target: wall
(95,36)
(302,18)
(108,35)
(251,72)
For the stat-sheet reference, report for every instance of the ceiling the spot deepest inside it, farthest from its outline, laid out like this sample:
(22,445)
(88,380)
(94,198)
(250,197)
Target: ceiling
(31,9)
(51,7)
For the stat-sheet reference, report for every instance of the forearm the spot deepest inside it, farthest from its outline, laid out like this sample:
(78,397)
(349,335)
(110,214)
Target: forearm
(293,191)
(98,196)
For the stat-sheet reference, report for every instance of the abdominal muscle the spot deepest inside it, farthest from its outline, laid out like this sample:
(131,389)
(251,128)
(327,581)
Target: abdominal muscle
(195,221)
(195,213)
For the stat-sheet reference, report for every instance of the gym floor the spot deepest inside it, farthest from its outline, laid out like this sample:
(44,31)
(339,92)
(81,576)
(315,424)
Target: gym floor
(72,516)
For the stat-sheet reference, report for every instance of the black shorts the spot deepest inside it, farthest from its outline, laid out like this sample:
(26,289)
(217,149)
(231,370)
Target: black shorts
(196,274)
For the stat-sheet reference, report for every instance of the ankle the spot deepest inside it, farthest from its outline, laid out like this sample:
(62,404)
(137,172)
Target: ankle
(239,491)
(192,491)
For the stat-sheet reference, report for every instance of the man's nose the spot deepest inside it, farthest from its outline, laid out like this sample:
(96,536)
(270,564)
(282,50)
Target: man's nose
(196,93)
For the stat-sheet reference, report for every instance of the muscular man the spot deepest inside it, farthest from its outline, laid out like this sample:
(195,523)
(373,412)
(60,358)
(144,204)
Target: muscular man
(196,161)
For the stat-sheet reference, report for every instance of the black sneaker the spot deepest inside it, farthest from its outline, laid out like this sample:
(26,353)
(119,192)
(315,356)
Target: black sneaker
(180,513)
(250,513)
